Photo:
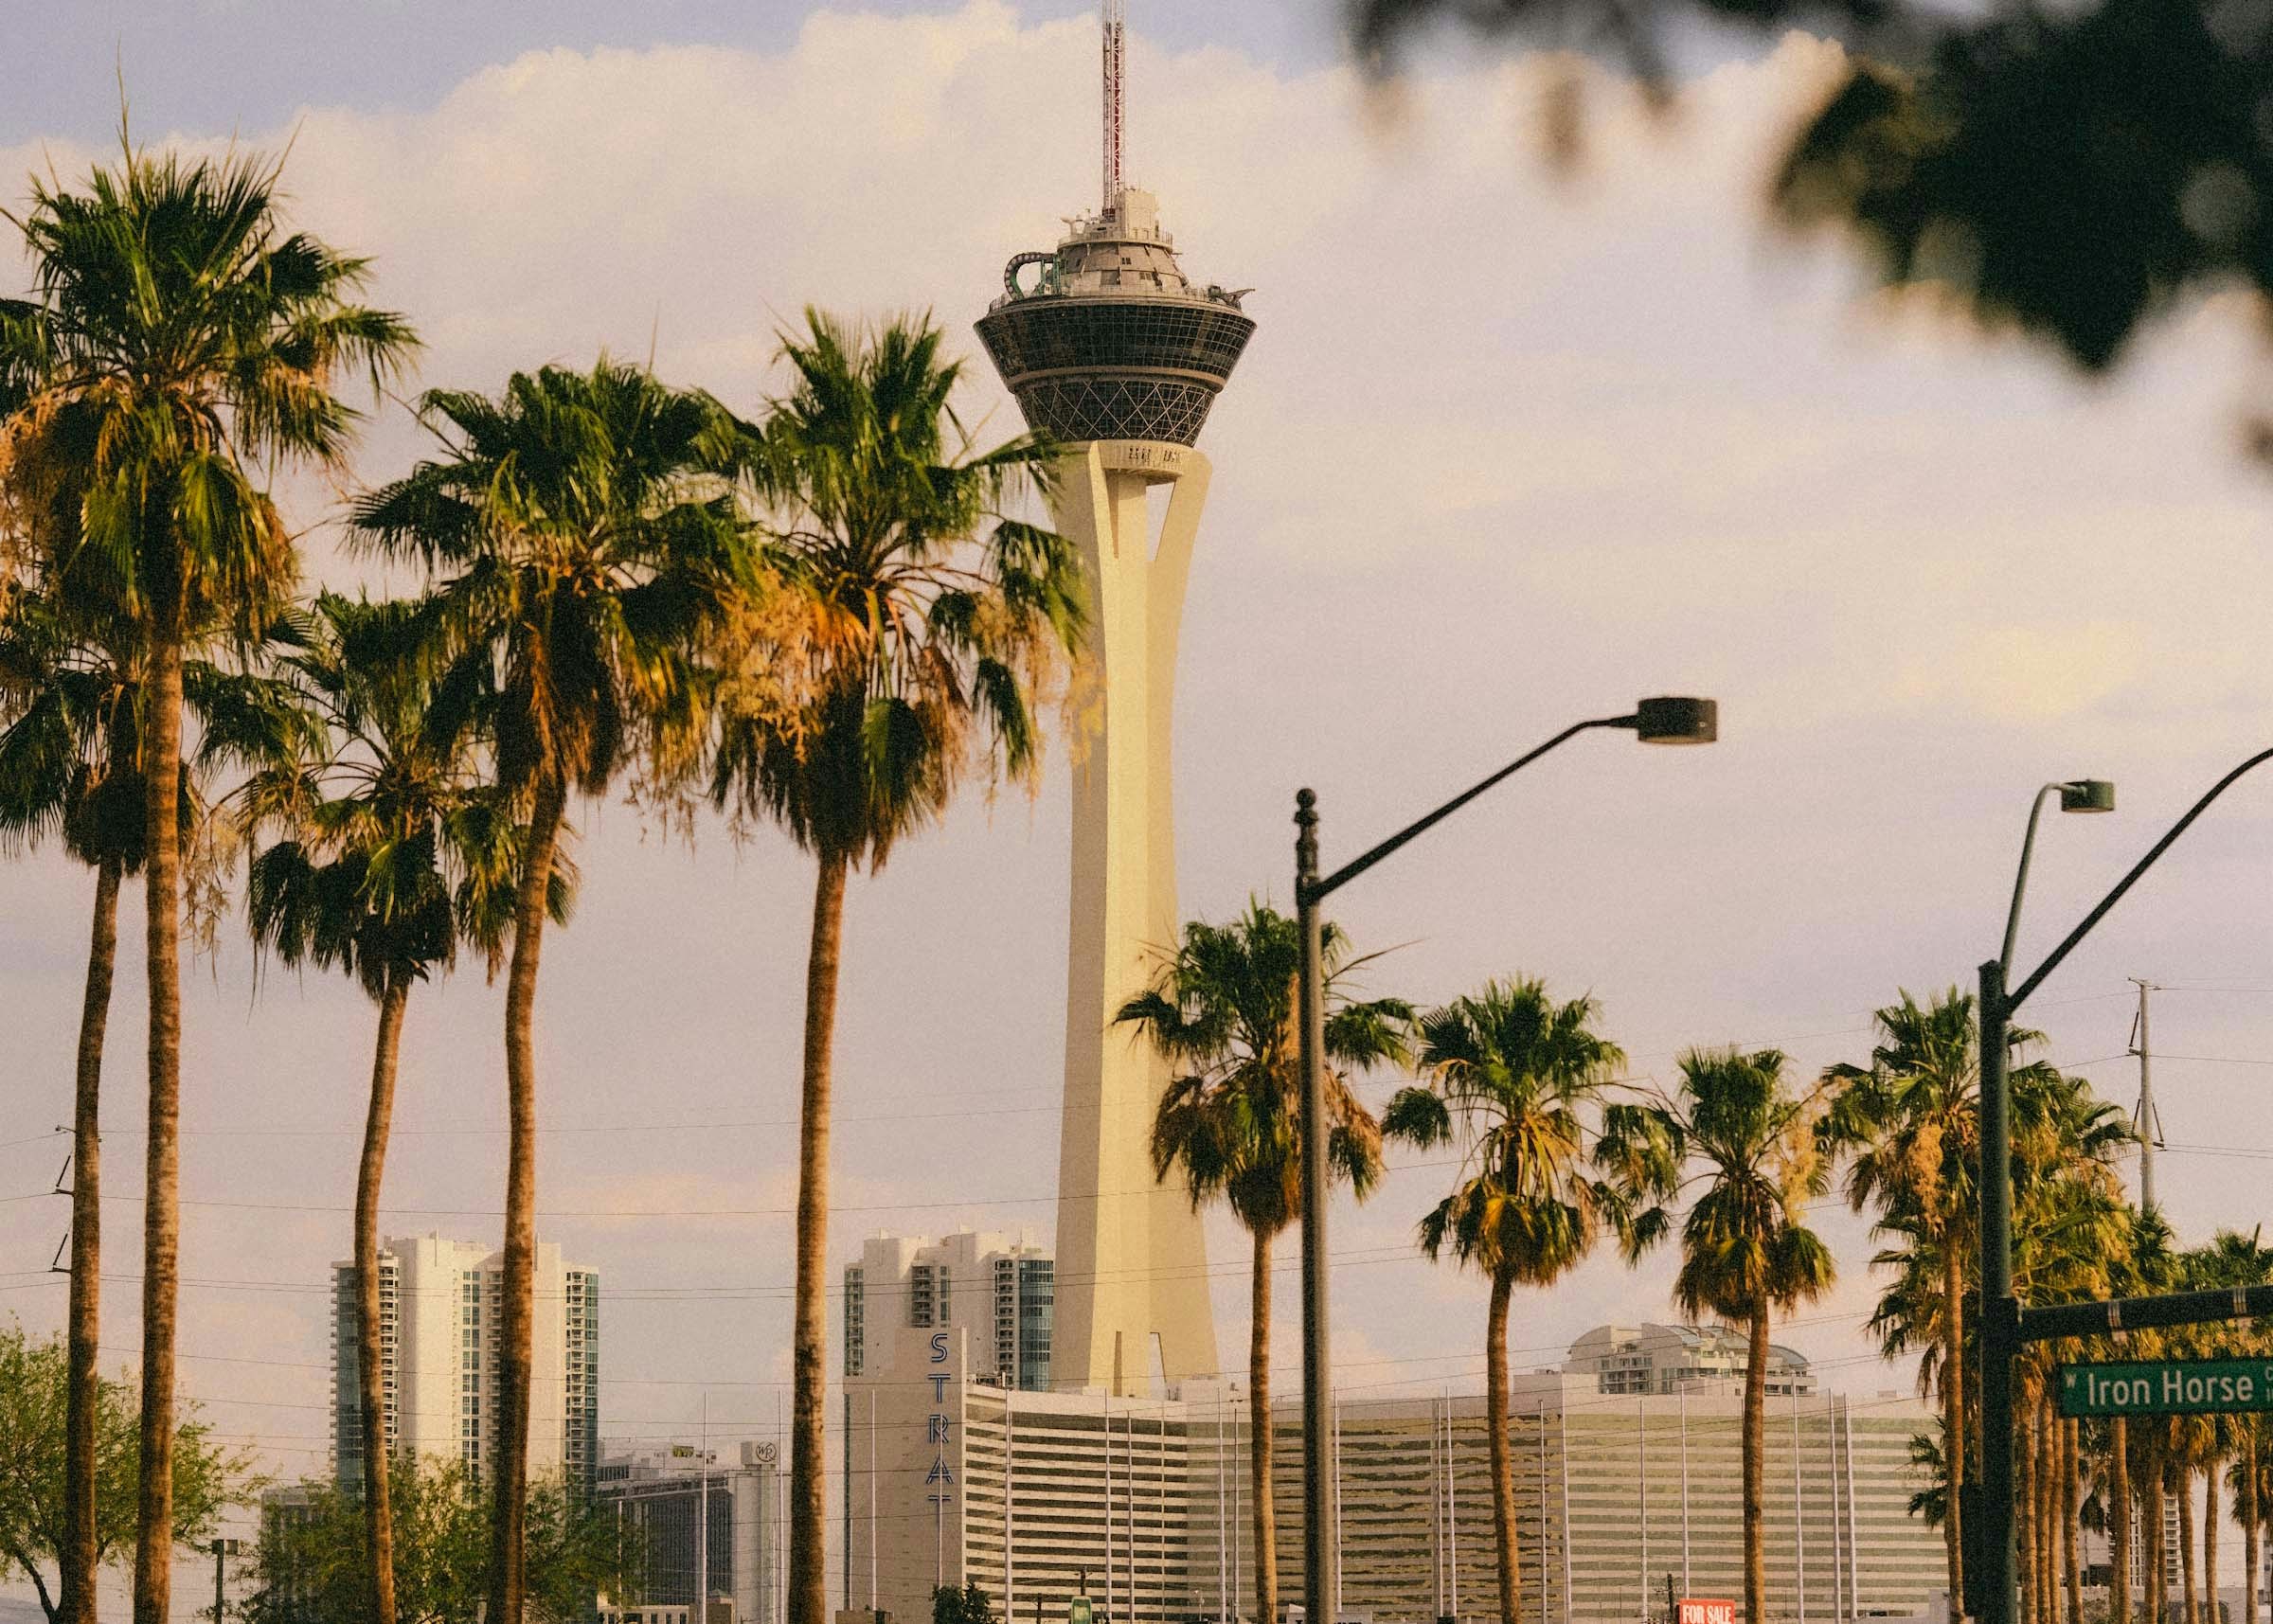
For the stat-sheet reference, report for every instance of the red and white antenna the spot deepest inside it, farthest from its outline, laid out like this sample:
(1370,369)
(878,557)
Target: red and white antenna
(1116,29)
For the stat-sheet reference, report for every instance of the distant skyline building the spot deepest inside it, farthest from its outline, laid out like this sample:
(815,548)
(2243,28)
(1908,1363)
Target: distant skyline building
(1000,1288)
(1114,351)
(439,1305)
(725,1535)
(1668,1358)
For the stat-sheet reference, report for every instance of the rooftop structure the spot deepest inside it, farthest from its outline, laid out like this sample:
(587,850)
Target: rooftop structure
(1670,1358)
(1108,339)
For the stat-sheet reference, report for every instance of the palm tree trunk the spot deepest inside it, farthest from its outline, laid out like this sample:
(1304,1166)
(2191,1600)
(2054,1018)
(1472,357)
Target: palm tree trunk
(2185,1542)
(508,1515)
(1755,1401)
(2024,1495)
(161,1211)
(2118,1523)
(2210,1537)
(2048,1500)
(78,1557)
(1953,1413)
(371,1373)
(2159,1555)
(1259,1441)
(1495,1420)
(808,1550)
(2048,1524)
(2251,1554)
(2072,1532)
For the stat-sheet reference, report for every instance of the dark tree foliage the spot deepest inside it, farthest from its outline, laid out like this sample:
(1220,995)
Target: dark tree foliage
(968,1605)
(2071,171)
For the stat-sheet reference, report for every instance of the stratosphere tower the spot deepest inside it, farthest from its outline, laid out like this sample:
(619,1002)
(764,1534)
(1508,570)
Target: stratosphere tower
(1114,352)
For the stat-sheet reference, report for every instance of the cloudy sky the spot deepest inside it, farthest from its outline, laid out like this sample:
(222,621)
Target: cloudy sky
(1510,448)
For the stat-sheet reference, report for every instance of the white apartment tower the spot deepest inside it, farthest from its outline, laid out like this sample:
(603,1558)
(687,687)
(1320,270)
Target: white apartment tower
(440,1318)
(1001,1289)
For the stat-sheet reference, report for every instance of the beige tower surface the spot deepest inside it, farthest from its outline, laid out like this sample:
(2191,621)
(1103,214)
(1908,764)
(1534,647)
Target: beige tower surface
(1131,1262)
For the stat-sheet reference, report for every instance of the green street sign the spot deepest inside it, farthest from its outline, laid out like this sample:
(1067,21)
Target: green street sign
(2167,1388)
(1077,1611)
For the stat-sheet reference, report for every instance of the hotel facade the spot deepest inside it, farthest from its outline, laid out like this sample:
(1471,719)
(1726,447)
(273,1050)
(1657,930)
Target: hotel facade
(955,1475)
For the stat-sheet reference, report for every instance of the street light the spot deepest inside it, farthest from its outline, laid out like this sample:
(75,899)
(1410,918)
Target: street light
(2076,795)
(1660,721)
(2000,1308)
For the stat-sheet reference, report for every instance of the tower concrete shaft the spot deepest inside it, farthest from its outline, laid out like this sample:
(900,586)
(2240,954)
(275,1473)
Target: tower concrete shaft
(1131,1262)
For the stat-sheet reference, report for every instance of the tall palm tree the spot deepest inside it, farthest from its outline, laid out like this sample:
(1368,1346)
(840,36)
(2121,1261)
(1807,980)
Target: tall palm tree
(71,712)
(1913,1118)
(1753,1153)
(587,541)
(1519,1081)
(931,623)
(178,335)
(70,766)
(1222,1010)
(388,847)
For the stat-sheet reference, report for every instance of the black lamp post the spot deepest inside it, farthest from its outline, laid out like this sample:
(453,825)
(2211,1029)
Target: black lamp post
(1664,720)
(2000,1320)
(2001,1328)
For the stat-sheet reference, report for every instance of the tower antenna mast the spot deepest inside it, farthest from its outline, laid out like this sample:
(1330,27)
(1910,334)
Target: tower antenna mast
(1116,33)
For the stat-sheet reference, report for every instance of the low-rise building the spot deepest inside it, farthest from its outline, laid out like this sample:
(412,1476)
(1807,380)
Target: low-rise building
(701,1525)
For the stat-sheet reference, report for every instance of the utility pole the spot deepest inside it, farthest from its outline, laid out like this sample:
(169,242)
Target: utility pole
(2146,1121)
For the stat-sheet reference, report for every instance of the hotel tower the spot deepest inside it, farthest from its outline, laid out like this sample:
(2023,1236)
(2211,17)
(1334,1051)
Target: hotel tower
(1116,353)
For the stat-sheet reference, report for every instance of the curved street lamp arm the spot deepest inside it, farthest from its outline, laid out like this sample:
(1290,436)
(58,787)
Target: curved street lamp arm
(1312,890)
(2012,999)
(2020,880)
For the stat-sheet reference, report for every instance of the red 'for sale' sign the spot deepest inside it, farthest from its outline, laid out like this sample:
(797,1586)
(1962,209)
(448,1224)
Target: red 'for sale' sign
(1693,1611)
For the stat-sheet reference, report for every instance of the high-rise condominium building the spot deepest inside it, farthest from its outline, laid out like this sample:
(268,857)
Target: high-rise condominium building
(1668,1358)
(440,1323)
(1002,1289)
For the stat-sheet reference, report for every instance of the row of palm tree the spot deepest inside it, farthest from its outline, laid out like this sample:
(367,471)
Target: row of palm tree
(828,616)
(1558,1154)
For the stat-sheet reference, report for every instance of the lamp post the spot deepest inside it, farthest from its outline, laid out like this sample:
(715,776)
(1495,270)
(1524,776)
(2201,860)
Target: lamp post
(2000,1317)
(2000,1309)
(1664,720)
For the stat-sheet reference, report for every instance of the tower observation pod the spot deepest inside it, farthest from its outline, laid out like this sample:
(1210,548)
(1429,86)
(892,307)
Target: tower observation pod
(1112,351)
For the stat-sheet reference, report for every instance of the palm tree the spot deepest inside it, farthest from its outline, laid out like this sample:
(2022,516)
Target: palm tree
(178,335)
(69,765)
(389,849)
(1515,1076)
(930,622)
(1222,1010)
(586,533)
(71,712)
(1753,1151)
